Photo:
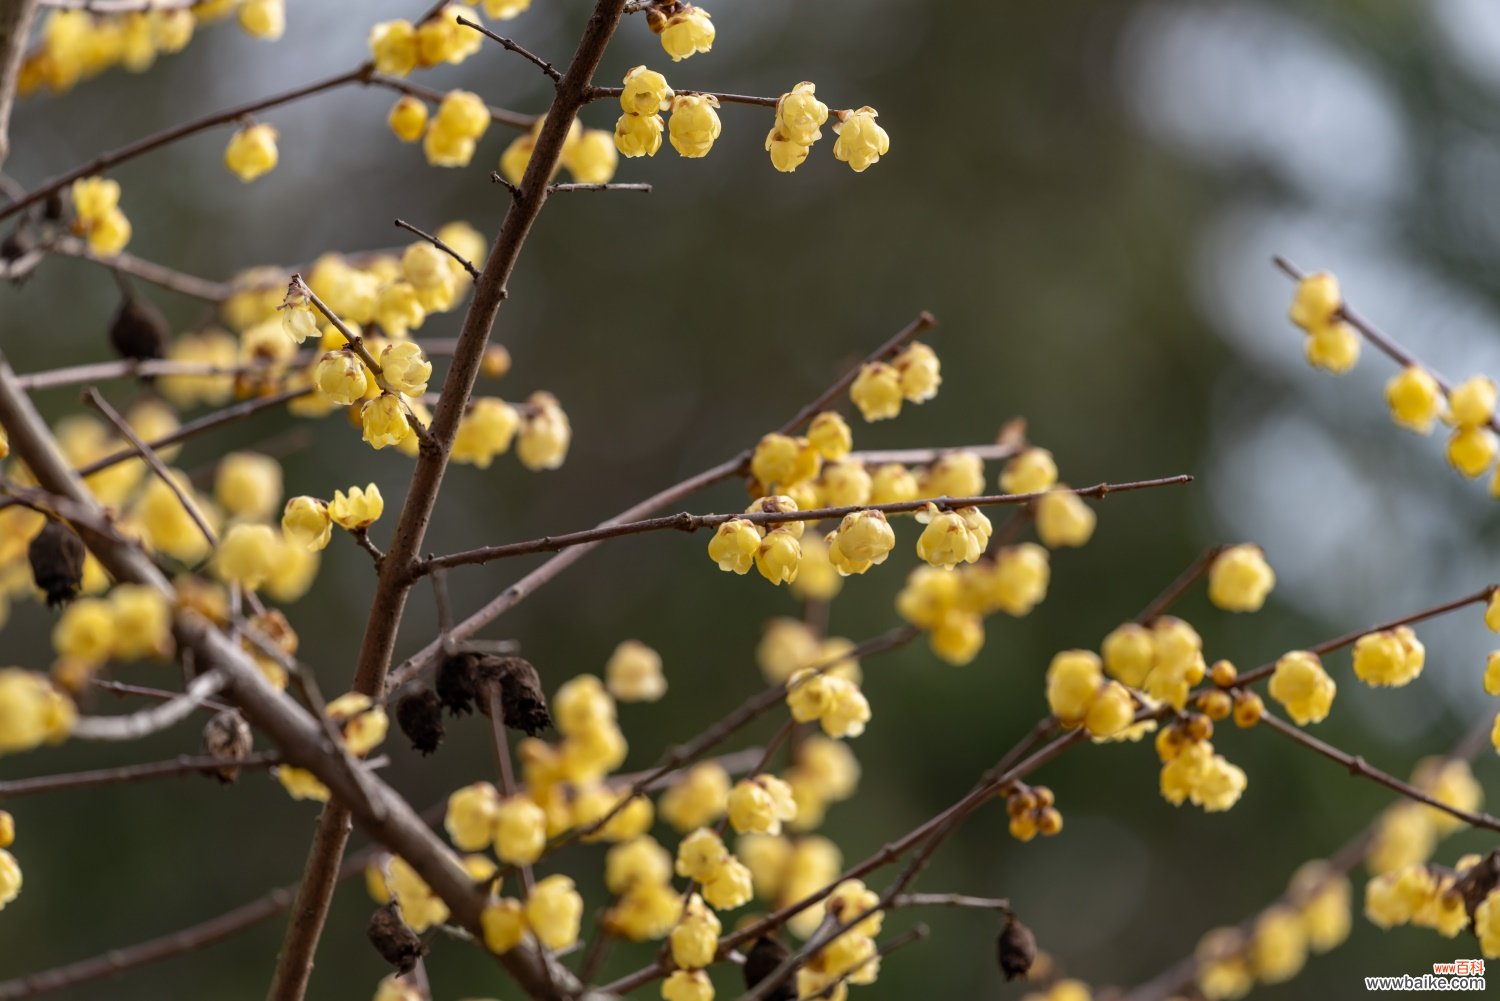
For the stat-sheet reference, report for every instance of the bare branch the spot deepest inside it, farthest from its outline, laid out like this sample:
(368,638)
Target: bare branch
(519,50)
(154,720)
(463,261)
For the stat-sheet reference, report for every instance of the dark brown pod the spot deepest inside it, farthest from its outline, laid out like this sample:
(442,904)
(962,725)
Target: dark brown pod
(227,737)
(396,943)
(456,685)
(419,714)
(764,957)
(56,555)
(522,701)
(139,330)
(1015,948)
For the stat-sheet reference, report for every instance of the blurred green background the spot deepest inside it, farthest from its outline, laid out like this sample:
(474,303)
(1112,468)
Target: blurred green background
(1087,196)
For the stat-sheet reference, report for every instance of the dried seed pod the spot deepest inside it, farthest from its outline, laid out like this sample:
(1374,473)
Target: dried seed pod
(395,942)
(420,716)
(522,701)
(56,555)
(139,330)
(761,961)
(1015,948)
(17,244)
(456,685)
(227,736)
(1477,882)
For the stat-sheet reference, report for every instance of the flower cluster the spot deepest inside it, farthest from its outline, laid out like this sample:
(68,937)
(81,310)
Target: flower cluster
(880,388)
(1313,916)
(252,152)
(1192,770)
(851,956)
(703,858)
(398,47)
(97,215)
(1032,811)
(1416,398)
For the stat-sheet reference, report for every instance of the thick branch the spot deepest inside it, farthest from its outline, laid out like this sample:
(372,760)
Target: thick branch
(15,28)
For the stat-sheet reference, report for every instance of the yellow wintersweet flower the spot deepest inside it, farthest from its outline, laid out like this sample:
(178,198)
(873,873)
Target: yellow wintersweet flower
(688,985)
(696,938)
(893,483)
(800,115)
(1074,679)
(1415,399)
(32,711)
(1333,348)
(1240,578)
(342,377)
(210,347)
(420,907)
(593,158)
(384,421)
(393,47)
(1391,658)
(699,798)
(408,118)
(876,391)
(1031,471)
(441,39)
(485,431)
(359,509)
(1018,582)
(861,142)
(633,673)
(1316,302)
(761,804)
(1302,687)
(640,861)
(830,436)
(1129,653)
(686,32)
(470,816)
(503,923)
(10,880)
(504,10)
(1472,402)
(645,93)
(247,555)
(248,484)
(142,622)
(553,911)
(1063,519)
(252,152)
(694,124)
(862,540)
(729,886)
(263,18)
(638,135)
(545,434)
(1487,925)
(404,367)
(301,783)
(86,630)
(1111,711)
(844,484)
(96,202)
(1322,895)
(362,722)
(948,540)
(305,520)
(520,830)
(1471,450)
(786,155)
(921,373)
(955,474)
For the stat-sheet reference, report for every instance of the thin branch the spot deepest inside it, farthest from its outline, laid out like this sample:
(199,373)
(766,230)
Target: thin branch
(925,456)
(154,720)
(924,322)
(1358,766)
(564,188)
(99,403)
(150,271)
(114,157)
(519,50)
(1383,343)
(600,93)
(182,765)
(160,695)
(1179,587)
(15,29)
(1338,642)
(131,368)
(686,522)
(513,119)
(950,900)
(463,261)
(120,6)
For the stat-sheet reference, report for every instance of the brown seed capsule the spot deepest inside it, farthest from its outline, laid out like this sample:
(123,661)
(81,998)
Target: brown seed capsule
(1049,821)
(420,716)
(139,330)
(227,736)
(396,943)
(56,555)
(1476,883)
(1015,948)
(522,702)
(763,958)
(456,684)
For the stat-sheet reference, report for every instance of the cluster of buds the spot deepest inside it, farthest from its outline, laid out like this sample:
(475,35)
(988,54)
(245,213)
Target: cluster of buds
(1192,770)
(1032,811)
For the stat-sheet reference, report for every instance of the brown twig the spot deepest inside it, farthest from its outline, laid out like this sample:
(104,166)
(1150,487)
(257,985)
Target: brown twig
(1175,590)
(92,398)
(686,522)
(15,29)
(527,54)
(600,93)
(565,188)
(149,271)
(182,765)
(463,261)
(1338,642)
